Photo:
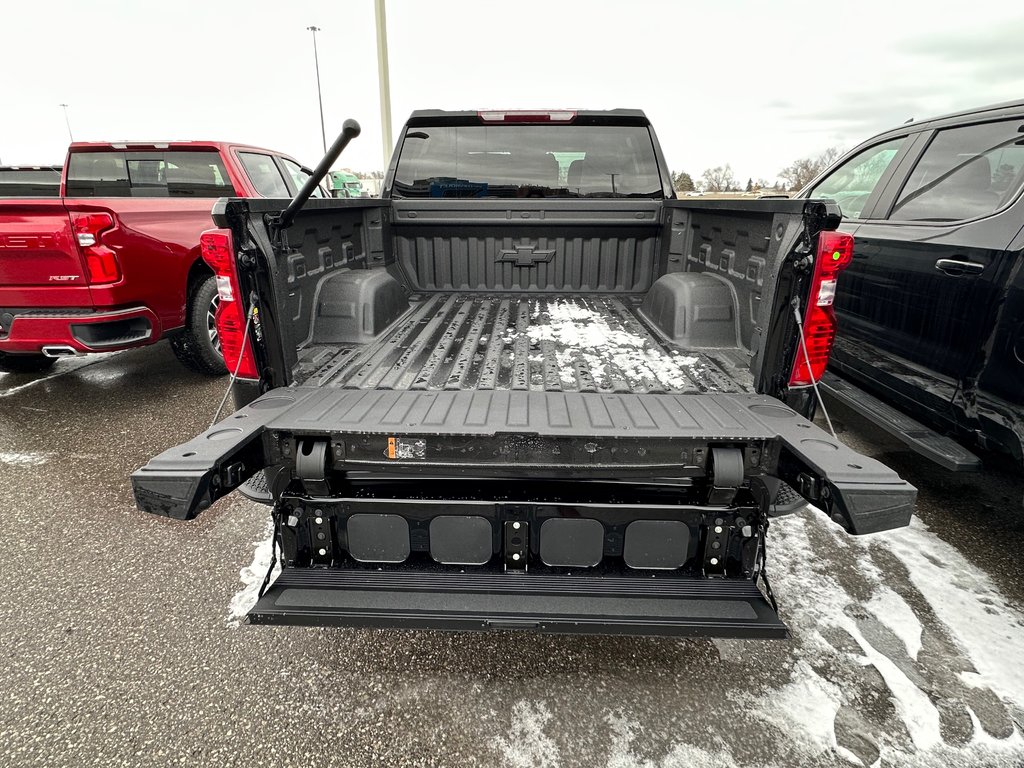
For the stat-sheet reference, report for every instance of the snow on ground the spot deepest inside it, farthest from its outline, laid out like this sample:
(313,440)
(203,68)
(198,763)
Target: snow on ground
(903,654)
(583,335)
(16,459)
(252,577)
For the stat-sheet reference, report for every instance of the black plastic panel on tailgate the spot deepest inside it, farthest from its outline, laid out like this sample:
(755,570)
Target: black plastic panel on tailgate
(451,430)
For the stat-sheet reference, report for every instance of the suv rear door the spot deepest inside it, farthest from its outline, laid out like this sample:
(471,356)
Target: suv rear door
(930,257)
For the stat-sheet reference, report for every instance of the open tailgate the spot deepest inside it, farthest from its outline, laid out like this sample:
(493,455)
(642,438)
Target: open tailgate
(526,434)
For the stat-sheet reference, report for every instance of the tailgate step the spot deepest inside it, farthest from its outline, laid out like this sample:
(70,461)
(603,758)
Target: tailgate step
(943,450)
(537,602)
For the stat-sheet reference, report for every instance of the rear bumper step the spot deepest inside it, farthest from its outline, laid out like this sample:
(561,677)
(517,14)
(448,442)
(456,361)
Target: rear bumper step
(523,601)
(944,451)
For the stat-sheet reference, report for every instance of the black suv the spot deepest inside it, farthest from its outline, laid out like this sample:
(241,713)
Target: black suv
(932,308)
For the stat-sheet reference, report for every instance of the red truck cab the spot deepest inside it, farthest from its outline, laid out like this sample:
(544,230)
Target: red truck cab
(114,262)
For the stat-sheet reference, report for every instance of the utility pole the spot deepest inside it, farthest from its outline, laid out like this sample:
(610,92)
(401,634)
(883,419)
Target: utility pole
(67,122)
(384,80)
(319,94)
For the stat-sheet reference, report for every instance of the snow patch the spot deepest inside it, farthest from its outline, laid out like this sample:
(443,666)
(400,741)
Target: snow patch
(584,335)
(893,611)
(805,708)
(527,745)
(252,577)
(17,459)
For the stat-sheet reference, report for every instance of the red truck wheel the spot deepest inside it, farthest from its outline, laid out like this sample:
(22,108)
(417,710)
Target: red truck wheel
(198,345)
(25,363)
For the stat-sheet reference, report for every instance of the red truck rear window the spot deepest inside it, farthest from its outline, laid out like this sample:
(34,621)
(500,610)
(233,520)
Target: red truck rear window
(148,174)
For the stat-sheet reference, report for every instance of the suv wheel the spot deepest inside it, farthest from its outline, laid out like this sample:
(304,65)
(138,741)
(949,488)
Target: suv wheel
(198,345)
(25,363)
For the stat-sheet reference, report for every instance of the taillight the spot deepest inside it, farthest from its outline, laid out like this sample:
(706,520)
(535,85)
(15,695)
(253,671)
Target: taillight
(835,251)
(218,251)
(101,262)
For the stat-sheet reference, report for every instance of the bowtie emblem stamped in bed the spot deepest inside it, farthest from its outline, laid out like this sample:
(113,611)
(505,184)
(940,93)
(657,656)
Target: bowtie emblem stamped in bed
(525,254)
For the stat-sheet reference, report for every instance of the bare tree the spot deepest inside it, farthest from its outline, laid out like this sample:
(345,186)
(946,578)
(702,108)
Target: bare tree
(718,179)
(800,173)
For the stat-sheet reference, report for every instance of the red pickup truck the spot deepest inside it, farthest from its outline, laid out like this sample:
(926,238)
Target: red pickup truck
(114,261)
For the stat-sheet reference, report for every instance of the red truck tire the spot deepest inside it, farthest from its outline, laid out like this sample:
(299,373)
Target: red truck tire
(25,363)
(197,345)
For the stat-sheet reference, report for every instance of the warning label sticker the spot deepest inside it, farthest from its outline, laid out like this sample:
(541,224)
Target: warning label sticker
(406,448)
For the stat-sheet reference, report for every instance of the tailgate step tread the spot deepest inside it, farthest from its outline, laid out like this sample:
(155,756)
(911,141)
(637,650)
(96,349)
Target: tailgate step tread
(539,602)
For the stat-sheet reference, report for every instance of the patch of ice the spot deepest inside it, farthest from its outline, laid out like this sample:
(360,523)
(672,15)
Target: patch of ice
(17,459)
(252,577)
(893,611)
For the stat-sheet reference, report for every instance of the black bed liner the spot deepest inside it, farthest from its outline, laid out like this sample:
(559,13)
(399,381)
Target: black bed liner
(571,343)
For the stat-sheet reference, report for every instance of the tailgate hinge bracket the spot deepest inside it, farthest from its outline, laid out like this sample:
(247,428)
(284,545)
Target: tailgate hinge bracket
(726,476)
(311,465)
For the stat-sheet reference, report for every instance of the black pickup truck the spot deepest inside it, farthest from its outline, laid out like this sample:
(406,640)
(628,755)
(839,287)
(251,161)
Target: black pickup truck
(526,388)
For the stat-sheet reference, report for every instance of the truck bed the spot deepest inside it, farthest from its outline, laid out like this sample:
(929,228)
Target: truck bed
(561,343)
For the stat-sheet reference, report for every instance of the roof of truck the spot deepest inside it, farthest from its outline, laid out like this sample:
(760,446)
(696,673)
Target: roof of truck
(132,145)
(443,115)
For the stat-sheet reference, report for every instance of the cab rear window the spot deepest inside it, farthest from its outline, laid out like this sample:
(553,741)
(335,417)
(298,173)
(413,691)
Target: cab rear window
(521,160)
(148,174)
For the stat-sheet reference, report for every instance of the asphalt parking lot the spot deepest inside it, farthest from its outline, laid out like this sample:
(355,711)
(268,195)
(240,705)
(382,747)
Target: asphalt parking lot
(121,647)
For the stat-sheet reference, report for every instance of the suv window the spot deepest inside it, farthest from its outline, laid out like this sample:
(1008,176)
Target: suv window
(299,176)
(965,173)
(264,174)
(148,174)
(852,183)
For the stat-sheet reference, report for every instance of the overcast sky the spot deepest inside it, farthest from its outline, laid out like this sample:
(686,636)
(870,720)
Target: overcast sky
(755,84)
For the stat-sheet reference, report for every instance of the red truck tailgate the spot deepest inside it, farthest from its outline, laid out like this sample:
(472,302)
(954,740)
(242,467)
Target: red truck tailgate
(37,246)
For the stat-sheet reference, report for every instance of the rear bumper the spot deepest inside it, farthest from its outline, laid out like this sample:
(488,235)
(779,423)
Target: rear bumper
(81,330)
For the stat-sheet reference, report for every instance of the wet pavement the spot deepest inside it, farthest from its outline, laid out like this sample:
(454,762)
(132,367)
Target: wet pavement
(119,645)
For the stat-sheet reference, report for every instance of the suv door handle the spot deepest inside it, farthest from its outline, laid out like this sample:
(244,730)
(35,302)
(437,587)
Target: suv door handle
(956,268)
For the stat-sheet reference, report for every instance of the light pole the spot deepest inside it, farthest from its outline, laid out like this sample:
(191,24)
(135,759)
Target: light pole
(319,95)
(384,78)
(67,122)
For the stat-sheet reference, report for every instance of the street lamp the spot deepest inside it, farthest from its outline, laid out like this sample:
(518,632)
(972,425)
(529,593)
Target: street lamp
(67,122)
(319,94)
(384,78)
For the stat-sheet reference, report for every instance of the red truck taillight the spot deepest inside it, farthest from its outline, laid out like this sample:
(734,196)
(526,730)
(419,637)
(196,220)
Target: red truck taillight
(100,261)
(835,251)
(218,251)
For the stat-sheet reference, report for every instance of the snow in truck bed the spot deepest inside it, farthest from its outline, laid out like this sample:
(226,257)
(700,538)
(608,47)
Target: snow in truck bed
(553,343)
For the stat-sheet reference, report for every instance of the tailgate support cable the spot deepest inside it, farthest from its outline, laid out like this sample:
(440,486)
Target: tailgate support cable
(238,365)
(807,359)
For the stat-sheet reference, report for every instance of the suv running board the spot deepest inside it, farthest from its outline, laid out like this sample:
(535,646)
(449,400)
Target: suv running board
(944,451)
(522,601)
